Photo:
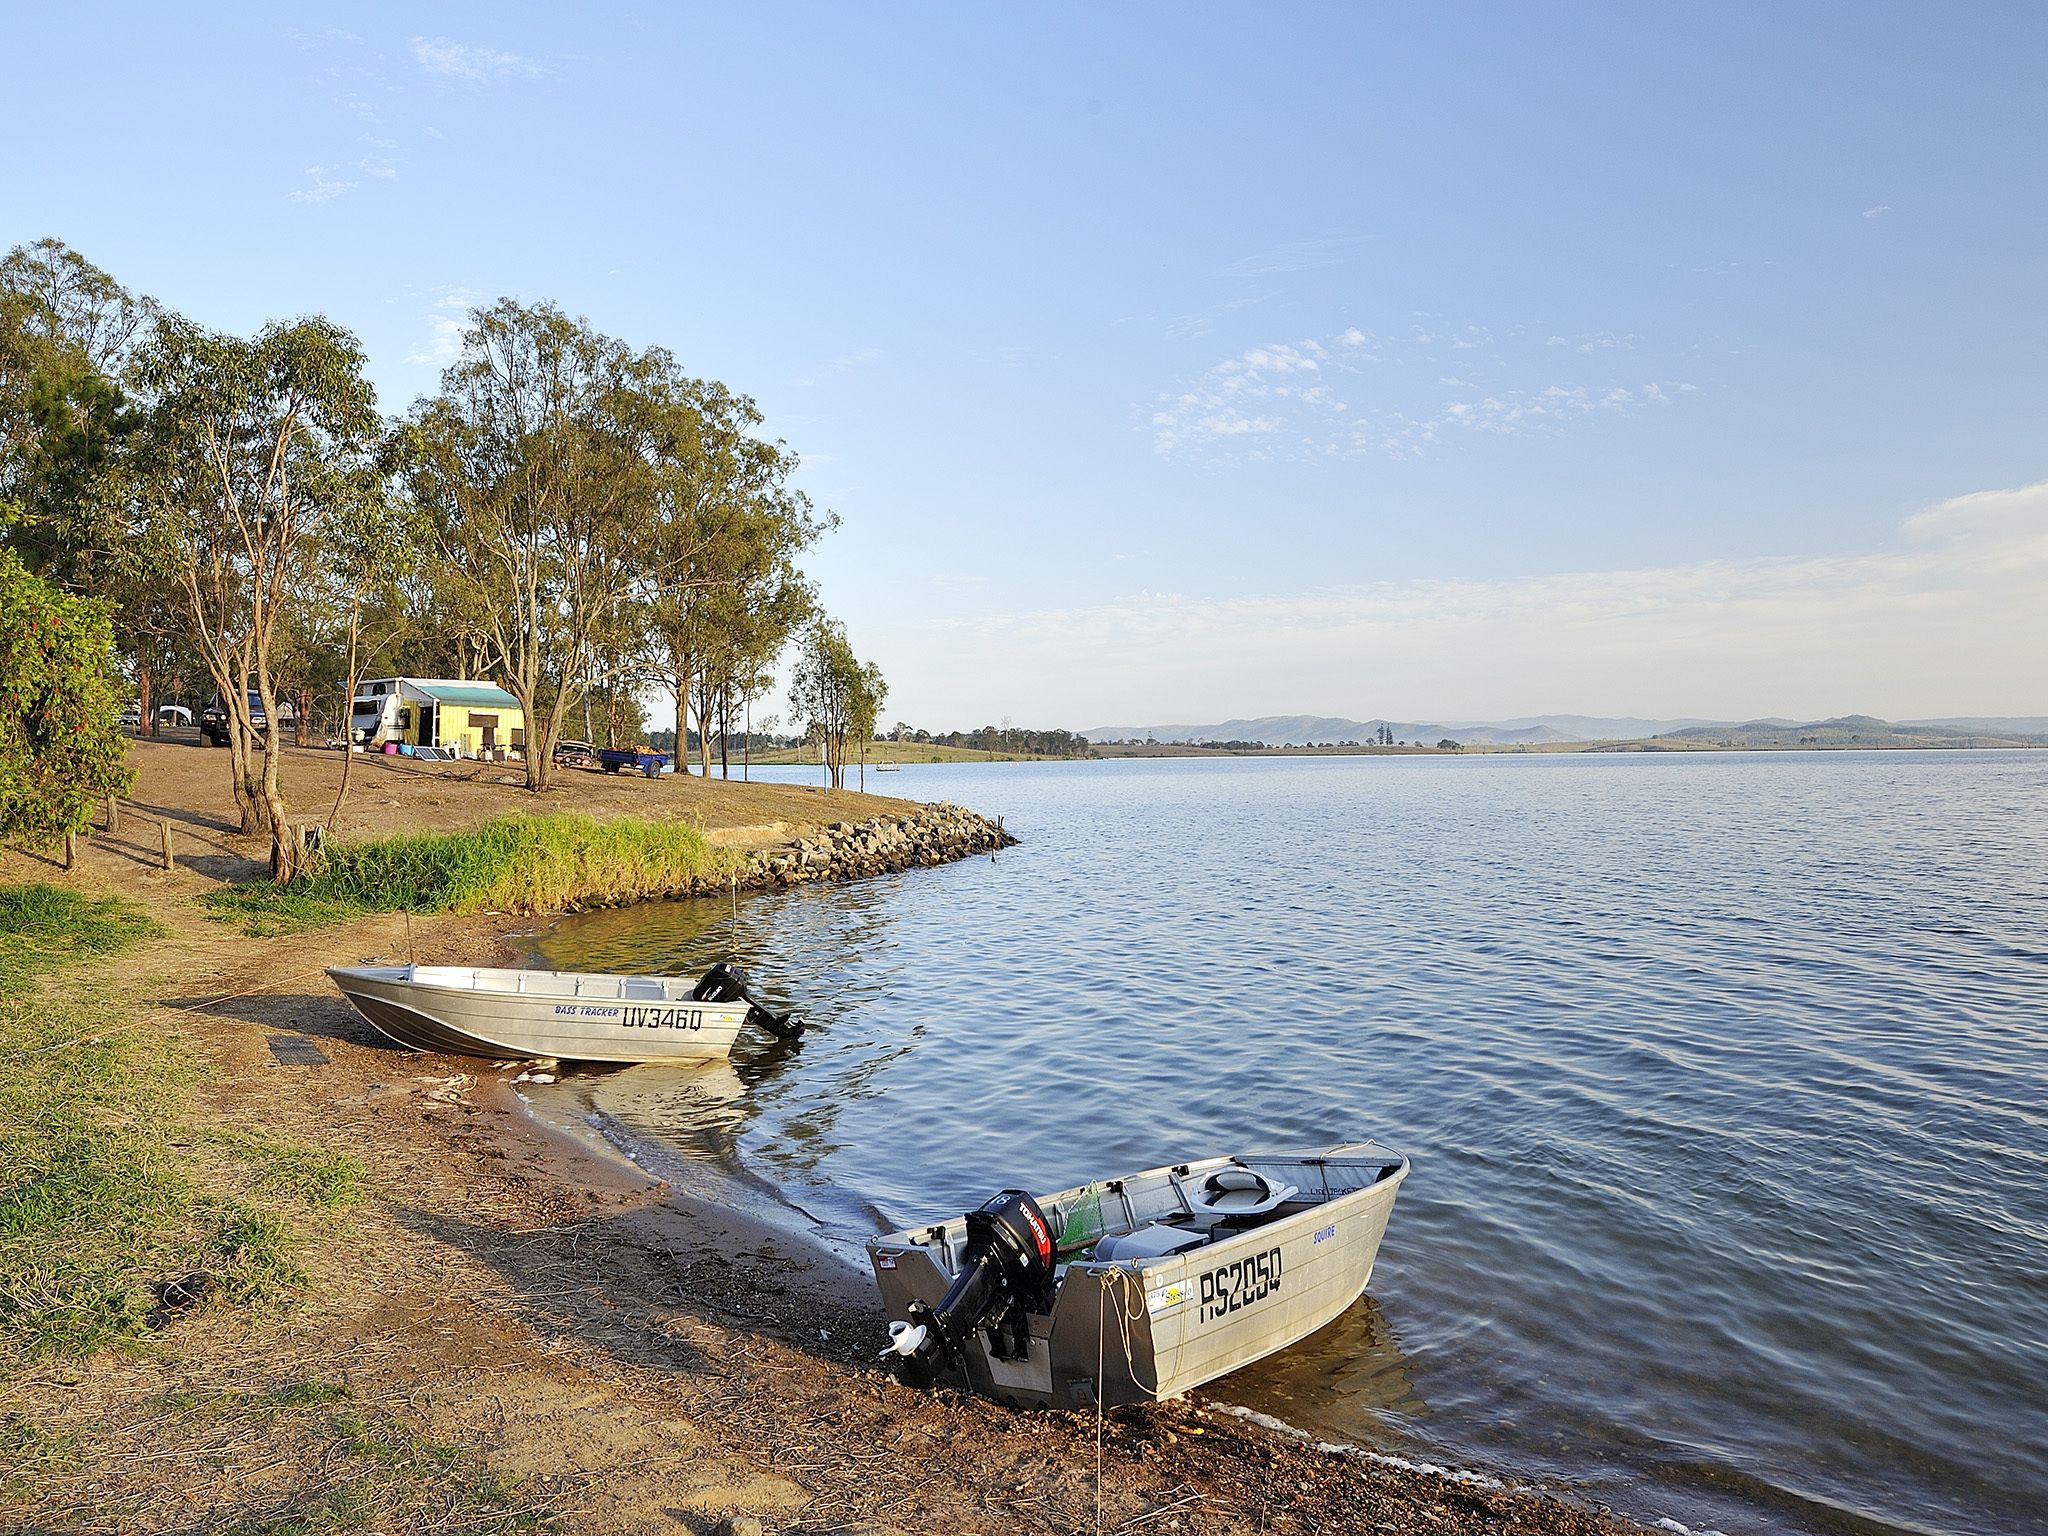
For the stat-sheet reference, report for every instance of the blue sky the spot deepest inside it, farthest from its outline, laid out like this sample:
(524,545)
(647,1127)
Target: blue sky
(1175,363)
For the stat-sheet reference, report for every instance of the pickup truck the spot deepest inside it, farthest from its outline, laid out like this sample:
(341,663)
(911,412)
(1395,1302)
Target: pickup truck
(213,720)
(612,760)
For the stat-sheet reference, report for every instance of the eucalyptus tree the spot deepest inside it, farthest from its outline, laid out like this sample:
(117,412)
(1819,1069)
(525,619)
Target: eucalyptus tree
(371,554)
(721,590)
(835,694)
(253,444)
(531,469)
(70,341)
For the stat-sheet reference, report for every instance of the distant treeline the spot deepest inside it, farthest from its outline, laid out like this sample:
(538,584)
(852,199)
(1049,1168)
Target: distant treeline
(1001,738)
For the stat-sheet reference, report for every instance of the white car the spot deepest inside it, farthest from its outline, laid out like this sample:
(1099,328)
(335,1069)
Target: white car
(130,719)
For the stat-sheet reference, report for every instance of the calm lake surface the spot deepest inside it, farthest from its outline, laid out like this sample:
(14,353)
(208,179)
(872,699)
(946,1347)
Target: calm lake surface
(1725,1077)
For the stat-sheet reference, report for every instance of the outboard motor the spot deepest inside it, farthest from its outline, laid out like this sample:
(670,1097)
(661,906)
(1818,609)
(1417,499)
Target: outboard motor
(725,983)
(1005,1274)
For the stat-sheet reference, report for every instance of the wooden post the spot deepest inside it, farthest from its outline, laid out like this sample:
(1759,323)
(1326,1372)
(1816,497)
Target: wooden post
(113,813)
(169,862)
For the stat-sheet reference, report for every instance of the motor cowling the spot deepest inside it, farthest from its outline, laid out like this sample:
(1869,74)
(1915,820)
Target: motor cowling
(727,983)
(1005,1275)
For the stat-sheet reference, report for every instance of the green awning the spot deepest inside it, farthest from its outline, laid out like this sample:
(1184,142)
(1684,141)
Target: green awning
(469,695)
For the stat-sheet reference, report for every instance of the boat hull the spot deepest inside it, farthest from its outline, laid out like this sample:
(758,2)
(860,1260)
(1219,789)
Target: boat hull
(505,1015)
(1129,1331)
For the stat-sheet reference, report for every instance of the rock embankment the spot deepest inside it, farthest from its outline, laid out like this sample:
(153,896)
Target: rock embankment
(846,850)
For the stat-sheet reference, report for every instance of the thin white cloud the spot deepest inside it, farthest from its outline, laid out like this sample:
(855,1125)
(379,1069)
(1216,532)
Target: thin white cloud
(323,188)
(445,327)
(466,61)
(1945,619)
(1296,256)
(1311,398)
(1878,212)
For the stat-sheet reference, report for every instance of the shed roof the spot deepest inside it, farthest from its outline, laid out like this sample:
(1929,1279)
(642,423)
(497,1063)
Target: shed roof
(474,695)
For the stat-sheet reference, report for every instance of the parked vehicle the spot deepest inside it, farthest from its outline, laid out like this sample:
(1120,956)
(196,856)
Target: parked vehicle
(213,720)
(173,714)
(466,717)
(575,754)
(652,764)
(130,718)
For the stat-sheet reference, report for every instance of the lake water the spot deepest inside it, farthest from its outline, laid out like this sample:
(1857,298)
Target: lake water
(1725,1077)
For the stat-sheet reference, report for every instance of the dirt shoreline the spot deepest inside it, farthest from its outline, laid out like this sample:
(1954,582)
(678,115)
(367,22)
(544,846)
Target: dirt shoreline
(622,1357)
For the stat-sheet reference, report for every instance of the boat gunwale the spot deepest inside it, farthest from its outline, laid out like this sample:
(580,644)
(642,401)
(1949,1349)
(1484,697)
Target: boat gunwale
(401,976)
(1354,1152)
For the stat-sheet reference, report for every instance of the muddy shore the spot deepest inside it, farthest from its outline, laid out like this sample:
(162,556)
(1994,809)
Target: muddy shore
(619,1356)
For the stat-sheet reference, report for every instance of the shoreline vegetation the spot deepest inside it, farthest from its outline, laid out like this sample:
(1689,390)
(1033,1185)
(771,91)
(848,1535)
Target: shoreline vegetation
(421,1309)
(565,861)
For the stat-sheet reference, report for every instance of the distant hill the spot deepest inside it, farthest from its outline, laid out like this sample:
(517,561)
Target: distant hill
(1301,730)
(1547,730)
(1990,725)
(1852,731)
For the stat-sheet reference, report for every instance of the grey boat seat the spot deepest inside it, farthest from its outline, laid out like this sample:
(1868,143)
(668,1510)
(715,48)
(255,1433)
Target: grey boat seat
(1154,1240)
(1234,1194)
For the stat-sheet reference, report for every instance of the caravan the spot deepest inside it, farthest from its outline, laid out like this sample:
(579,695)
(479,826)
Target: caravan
(460,717)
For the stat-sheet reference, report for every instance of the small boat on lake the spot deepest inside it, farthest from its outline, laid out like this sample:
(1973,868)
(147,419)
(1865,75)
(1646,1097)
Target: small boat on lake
(1140,1288)
(513,1015)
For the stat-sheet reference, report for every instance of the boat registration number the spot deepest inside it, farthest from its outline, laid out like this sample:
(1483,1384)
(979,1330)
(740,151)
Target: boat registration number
(1233,1287)
(662,1018)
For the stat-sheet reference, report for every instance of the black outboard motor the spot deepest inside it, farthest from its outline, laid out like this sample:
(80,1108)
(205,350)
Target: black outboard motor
(725,983)
(1006,1273)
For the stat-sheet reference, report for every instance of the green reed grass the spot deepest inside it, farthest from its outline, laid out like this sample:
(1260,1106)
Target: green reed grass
(517,864)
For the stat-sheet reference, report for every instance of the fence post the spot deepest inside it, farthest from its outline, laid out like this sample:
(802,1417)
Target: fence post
(113,813)
(169,862)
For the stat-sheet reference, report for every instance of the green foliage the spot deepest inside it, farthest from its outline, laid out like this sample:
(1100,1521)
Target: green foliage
(60,752)
(524,864)
(835,694)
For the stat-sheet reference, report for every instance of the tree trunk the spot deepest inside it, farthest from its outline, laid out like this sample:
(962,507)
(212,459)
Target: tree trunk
(348,721)
(284,855)
(241,759)
(704,729)
(145,696)
(303,708)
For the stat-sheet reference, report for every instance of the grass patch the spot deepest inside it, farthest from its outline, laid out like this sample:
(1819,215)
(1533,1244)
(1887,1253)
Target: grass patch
(312,1176)
(329,1465)
(390,1478)
(44,925)
(112,1217)
(520,864)
(29,1452)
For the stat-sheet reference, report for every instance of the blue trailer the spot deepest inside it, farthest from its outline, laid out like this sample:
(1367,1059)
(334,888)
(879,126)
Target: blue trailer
(613,759)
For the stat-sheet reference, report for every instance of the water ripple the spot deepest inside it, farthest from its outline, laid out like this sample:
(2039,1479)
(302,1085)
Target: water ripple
(1724,1077)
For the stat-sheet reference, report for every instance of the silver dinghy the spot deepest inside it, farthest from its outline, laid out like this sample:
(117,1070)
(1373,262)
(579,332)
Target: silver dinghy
(511,1015)
(1138,1288)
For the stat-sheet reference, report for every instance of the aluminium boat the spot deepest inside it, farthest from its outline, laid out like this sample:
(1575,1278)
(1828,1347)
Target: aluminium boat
(514,1015)
(1140,1288)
